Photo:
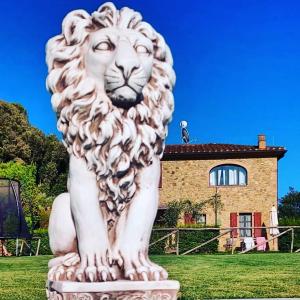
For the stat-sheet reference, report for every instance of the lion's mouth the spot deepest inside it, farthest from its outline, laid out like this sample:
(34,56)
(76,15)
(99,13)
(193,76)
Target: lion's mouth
(124,96)
(123,103)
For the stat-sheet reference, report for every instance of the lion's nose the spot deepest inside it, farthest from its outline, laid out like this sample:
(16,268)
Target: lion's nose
(126,59)
(127,69)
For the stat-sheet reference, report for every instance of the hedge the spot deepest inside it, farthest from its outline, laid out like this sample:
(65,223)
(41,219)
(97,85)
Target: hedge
(188,239)
(44,246)
(284,243)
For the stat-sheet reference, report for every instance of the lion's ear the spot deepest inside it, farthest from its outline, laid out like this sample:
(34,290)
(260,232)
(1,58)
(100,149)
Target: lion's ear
(106,15)
(74,26)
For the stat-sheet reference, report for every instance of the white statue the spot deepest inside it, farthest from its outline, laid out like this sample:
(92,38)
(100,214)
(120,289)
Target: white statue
(111,78)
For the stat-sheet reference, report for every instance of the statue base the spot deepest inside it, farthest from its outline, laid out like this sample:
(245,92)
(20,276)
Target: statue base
(113,290)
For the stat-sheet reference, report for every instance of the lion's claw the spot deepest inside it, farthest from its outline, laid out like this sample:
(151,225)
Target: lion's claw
(139,267)
(79,274)
(91,273)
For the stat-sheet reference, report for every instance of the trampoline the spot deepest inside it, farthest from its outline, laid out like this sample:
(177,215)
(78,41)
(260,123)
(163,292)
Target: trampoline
(12,221)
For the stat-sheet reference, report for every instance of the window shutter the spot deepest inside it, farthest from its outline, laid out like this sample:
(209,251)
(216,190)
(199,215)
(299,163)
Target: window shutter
(160,178)
(233,223)
(257,223)
(188,218)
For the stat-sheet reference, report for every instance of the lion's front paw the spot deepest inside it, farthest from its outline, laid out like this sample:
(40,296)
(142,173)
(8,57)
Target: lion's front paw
(94,266)
(63,267)
(137,266)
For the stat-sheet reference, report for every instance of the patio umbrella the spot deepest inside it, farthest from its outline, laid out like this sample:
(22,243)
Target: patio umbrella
(273,221)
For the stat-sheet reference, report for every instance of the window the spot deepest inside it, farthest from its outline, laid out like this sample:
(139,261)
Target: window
(228,175)
(245,221)
(201,219)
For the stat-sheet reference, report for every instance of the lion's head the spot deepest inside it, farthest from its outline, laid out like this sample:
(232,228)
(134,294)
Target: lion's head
(111,77)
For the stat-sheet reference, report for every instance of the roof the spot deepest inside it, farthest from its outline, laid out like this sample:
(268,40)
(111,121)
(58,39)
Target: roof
(215,151)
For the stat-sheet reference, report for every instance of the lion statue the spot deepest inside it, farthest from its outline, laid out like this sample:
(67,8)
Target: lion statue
(111,79)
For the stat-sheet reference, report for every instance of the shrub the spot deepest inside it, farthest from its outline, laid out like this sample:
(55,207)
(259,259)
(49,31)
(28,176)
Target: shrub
(188,239)
(160,247)
(31,195)
(44,246)
(176,208)
(284,243)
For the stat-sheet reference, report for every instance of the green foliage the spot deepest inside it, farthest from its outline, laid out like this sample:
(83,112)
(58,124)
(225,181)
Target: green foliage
(272,275)
(188,239)
(289,215)
(172,214)
(176,208)
(160,247)
(289,206)
(31,195)
(193,208)
(44,247)
(53,168)
(14,132)
(26,175)
(44,217)
(38,161)
(285,240)
(19,141)
(215,202)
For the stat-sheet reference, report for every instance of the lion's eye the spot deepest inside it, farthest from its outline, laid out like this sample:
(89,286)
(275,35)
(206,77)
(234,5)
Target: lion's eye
(142,49)
(104,46)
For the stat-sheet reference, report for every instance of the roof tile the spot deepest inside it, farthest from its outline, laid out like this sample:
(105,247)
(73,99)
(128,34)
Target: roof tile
(217,148)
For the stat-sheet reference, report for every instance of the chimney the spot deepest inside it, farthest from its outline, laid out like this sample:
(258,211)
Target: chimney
(262,142)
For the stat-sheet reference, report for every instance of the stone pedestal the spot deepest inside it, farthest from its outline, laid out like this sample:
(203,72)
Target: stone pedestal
(113,290)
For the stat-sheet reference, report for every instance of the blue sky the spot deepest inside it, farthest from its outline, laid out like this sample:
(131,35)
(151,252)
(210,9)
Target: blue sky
(237,64)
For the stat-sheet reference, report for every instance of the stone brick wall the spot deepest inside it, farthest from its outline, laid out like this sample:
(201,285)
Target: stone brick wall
(189,179)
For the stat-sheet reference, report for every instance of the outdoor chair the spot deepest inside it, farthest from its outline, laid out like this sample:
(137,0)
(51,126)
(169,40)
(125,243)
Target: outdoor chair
(229,244)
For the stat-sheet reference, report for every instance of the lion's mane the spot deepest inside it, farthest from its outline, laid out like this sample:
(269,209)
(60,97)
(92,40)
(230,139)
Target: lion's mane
(115,142)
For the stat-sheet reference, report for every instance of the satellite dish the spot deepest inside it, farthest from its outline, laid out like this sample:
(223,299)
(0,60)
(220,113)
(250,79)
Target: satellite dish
(184,132)
(183,124)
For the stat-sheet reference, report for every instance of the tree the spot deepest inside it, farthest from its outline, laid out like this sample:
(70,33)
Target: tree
(53,169)
(172,214)
(215,202)
(32,197)
(175,209)
(14,132)
(19,141)
(289,206)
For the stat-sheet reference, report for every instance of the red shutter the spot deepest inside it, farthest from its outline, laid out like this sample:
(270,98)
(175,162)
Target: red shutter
(160,178)
(188,218)
(257,223)
(233,223)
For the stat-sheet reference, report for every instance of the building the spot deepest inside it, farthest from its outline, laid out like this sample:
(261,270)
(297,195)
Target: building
(245,177)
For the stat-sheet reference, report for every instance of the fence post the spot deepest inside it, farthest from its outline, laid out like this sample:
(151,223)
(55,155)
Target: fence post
(292,242)
(233,242)
(17,247)
(177,243)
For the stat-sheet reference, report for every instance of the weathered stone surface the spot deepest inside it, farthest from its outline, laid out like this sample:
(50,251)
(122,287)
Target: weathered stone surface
(111,79)
(117,290)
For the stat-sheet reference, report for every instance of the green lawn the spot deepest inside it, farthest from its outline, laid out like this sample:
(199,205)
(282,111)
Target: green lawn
(200,276)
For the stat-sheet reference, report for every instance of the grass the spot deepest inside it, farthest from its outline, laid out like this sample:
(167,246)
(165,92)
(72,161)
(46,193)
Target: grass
(201,276)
